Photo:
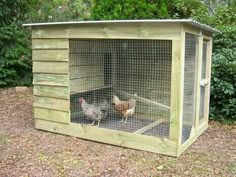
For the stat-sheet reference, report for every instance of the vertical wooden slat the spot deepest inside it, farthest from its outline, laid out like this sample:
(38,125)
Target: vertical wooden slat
(181,88)
(198,80)
(208,74)
(175,89)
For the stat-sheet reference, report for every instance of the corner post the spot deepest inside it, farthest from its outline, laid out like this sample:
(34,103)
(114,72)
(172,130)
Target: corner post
(177,81)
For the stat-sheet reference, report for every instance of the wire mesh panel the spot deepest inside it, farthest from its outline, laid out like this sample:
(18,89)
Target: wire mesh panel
(203,76)
(121,78)
(189,85)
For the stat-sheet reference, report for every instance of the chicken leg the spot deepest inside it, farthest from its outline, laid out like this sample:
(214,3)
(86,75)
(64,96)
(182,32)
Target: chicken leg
(122,120)
(126,119)
(98,123)
(93,122)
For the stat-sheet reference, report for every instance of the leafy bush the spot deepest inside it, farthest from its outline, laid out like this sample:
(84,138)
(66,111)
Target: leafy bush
(129,9)
(60,10)
(188,9)
(223,85)
(15,63)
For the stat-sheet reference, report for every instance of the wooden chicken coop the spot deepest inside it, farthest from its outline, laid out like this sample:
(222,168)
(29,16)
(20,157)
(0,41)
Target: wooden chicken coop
(164,65)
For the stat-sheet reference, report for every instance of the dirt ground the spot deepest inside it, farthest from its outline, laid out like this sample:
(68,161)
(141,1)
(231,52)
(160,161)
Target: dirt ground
(25,151)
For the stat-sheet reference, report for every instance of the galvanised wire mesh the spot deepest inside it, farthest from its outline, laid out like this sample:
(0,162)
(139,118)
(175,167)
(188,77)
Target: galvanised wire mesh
(128,69)
(203,76)
(189,85)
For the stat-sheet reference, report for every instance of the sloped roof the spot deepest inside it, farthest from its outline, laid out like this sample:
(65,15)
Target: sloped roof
(187,21)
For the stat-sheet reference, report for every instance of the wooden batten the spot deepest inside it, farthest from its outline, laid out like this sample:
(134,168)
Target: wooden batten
(149,126)
(189,29)
(52,91)
(50,32)
(82,84)
(50,55)
(125,31)
(51,79)
(86,71)
(85,59)
(51,103)
(52,115)
(50,67)
(50,44)
(118,138)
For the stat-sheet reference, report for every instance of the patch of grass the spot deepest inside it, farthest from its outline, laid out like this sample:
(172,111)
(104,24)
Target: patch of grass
(3,140)
(42,156)
(231,166)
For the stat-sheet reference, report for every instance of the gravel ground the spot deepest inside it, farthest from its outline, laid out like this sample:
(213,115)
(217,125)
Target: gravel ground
(25,151)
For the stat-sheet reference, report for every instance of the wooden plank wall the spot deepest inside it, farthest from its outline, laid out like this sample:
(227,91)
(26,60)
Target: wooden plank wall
(51,79)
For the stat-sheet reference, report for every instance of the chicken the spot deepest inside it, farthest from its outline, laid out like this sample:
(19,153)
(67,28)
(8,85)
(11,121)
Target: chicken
(124,108)
(92,112)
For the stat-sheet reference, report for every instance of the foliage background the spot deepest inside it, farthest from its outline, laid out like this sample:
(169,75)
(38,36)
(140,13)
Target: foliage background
(15,44)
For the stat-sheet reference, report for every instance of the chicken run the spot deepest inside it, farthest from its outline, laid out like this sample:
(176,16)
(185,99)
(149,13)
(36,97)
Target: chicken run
(131,87)
(142,84)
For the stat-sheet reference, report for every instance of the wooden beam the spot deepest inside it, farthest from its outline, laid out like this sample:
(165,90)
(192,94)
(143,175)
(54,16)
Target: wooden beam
(50,55)
(118,138)
(165,31)
(52,103)
(208,73)
(194,136)
(93,89)
(175,89)
(52,91)
(181,89)
(52,115)
(149,126)
(50,43)
(143,100)
(86,71)
(51,79)
(85,84)
(198,79)
(51,67)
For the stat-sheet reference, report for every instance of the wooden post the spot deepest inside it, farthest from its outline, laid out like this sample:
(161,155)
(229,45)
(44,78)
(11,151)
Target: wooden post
(208,75)
(181,88)
(198,79)
(176,89)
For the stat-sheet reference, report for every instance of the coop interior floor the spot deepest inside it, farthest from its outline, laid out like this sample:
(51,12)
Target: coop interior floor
(132,125)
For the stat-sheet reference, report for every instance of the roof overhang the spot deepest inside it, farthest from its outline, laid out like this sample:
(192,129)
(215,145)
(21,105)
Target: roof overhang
(186,21)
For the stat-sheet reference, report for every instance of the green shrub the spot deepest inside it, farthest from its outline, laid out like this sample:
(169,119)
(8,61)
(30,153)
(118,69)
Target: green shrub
(223,84)
(15,63)
(59,10)
(129,9)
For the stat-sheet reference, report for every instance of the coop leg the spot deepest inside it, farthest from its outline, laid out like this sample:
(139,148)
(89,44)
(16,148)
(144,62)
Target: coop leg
(92,123)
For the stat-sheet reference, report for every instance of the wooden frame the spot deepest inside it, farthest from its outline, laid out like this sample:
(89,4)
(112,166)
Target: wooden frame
(52,86)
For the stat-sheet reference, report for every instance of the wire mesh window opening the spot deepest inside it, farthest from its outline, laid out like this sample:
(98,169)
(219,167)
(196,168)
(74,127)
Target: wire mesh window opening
(189,85)
(203,76)
(104,72)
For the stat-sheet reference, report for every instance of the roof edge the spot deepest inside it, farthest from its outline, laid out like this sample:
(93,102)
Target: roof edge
(188,21)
